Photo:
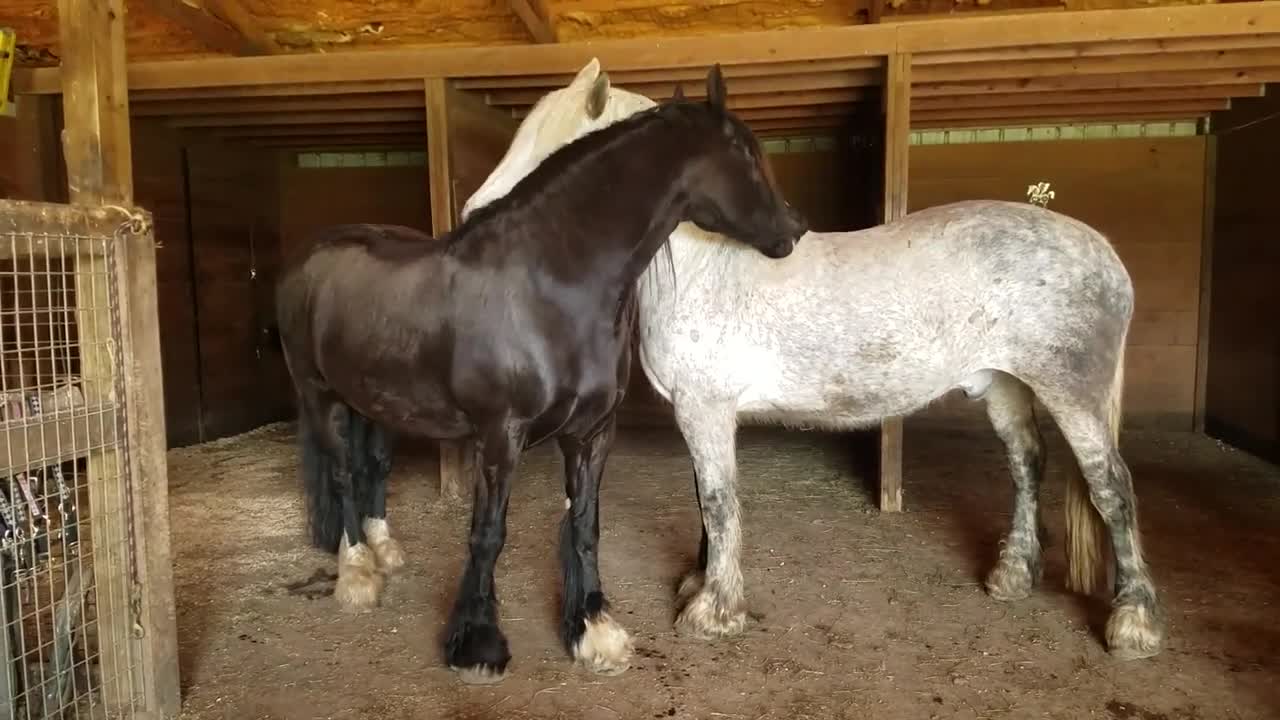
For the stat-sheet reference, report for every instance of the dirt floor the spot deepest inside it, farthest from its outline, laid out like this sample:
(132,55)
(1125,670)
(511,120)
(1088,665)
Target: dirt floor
(855,614)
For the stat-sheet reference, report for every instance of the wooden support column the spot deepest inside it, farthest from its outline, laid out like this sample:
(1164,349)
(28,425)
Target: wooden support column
(897,100)
(136,626)
(455,456)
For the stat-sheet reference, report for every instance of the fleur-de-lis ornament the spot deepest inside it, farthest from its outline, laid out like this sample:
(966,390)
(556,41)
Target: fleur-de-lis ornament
(1039,194)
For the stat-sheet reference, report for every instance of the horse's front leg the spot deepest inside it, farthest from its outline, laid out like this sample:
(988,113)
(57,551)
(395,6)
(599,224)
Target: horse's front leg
(711,598)
(474,645)
(589,632)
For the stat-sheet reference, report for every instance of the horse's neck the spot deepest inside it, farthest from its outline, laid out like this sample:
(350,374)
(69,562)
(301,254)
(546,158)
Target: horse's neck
(614,234)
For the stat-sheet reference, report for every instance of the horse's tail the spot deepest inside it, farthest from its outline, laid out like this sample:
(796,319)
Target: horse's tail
(1088,544)
(324,506)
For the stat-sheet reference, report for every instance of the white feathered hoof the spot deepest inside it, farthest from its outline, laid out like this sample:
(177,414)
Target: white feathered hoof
(604,648)
(1011,579)
(707,617)
(389,554)
(360,584)
(1134,632)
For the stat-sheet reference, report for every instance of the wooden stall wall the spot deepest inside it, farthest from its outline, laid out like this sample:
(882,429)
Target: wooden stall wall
(311,198)
(31,165)
(1242,399)
(235,255)
(159,185)
(1147,196)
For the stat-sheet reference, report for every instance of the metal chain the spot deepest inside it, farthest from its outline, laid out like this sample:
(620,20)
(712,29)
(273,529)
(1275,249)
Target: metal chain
(135,225)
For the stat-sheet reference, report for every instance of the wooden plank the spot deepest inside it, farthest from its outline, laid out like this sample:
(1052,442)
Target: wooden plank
(534,15)
(212,32)
(1073,97)
(542,83)
(776,127)
(281,105)
(396,128)
(329,142)
(38,441)
(317,118)
(1115,65)
(1097,49)
(919,124)
(363,87)
(99,171)
(897,98)
(1244,76)
(829,43)
(1206,283)
(454,479)
(1188,108)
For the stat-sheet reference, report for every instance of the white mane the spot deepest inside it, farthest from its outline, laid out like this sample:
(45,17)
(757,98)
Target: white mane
(556,119)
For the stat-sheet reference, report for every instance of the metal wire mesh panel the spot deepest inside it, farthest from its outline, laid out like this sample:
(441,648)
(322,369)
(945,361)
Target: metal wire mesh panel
(66,563)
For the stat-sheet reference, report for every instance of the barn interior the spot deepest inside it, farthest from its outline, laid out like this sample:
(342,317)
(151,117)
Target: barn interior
(250,124)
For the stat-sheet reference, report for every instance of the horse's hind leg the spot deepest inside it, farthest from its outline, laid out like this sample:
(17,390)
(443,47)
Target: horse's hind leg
(378,453)
(711,598)
(1010,406)
(359,583)
(1135,628)
(589,632)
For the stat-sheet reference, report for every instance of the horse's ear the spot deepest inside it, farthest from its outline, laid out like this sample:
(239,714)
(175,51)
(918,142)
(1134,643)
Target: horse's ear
(715,87)
(588,73)
(678,95)
(598,97)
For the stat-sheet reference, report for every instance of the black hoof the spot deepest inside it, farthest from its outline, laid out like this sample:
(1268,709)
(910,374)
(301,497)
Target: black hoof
(479,653)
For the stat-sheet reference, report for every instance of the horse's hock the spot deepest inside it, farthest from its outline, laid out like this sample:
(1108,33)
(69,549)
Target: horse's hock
(72,567)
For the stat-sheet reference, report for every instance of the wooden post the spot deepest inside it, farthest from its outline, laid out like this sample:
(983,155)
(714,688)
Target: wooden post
(137,632)
(897,100)
(455,475)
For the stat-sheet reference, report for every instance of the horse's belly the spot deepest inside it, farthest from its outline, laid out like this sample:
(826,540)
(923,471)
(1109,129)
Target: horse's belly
(417,410)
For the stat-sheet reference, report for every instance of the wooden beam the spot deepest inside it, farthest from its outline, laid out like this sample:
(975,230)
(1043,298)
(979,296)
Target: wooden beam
(534,15)
(1244,76)
(1206,92)
(525,99)
(897,98)
(281,105)
(213,32)
(234,13)
(1117,65)
(1190,108)
(455,478)
(831,43)
(139,670)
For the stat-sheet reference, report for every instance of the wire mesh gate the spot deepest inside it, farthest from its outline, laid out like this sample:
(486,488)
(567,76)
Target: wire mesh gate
(70,588)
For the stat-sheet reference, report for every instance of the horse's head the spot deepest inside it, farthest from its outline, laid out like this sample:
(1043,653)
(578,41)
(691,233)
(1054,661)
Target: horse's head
(558,118)
(730,187)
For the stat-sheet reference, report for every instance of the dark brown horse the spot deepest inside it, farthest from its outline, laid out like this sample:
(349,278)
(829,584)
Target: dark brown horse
(513,329)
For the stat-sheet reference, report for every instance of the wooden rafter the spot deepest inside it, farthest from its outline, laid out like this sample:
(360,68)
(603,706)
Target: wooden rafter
(215,30)
(829,43)
(536,17)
